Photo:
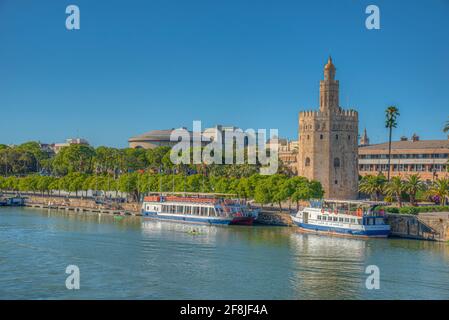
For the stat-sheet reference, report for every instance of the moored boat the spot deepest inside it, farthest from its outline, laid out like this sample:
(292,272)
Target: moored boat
(213,209)
(16,201)
(345,218)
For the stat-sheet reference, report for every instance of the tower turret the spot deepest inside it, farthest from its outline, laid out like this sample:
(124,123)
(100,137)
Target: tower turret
(329,87)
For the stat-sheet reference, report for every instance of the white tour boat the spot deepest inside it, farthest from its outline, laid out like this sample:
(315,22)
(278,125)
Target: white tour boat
(198,208)
(348,218)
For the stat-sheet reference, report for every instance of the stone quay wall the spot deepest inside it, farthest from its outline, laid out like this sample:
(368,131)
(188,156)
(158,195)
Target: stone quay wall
(80,203)
(275,218)
(425,226)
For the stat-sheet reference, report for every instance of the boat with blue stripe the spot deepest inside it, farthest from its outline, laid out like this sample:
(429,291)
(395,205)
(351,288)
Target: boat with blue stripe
(198,208)
(343,218)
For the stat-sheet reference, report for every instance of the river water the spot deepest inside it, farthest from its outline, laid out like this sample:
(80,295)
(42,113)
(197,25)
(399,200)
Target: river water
(129,258)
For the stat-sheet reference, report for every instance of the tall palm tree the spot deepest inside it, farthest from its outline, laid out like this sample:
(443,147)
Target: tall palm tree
(412,185)
(394,188)
(440,188)
(446,127)
(391,114)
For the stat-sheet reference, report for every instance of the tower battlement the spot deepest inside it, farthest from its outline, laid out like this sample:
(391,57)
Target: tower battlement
(342,113)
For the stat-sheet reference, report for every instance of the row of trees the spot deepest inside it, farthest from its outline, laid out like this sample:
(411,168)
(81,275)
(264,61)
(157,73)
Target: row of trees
(28,158)
(398,189)
(274,189)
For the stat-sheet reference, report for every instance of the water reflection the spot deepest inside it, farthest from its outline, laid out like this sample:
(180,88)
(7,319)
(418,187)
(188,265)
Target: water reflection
(326,267)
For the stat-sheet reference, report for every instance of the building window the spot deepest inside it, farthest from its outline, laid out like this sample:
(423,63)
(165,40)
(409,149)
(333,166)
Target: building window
(321,137)
(308,137)
(307,162)
(336,137)
(337,163)
(349,137)
(336,181)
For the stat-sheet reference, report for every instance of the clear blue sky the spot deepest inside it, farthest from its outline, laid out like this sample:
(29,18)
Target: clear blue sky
(140,65)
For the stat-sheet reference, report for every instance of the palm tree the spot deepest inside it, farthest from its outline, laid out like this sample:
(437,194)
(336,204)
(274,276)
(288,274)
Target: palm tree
(372,185)
(412,185)
(391,114)
(440,188)
(394,188)
(446,127)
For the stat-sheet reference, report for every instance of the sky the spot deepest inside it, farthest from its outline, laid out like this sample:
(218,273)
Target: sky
(136,66)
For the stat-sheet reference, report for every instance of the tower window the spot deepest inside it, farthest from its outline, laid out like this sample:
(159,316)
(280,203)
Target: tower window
(307,162)
(308,137)
(336,137)
(349,137)
(321,137)
(337,163)
(336,181)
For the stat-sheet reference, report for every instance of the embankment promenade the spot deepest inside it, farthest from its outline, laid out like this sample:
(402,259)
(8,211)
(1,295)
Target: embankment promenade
(79,204)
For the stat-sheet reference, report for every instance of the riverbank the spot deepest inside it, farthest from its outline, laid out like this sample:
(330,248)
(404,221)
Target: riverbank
(82,205)
(266,217)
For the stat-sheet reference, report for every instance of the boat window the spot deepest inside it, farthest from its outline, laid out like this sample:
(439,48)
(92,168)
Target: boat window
(188,210)
(380,221)
(352,220)
(318,217)
(211,212)
(359,221)
(203,211)
(179,209)
(335,219)
(196,210)
(340,219)
(324,218)
(346,219)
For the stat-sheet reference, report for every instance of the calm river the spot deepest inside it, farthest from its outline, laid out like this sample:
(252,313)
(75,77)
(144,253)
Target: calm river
(133,259)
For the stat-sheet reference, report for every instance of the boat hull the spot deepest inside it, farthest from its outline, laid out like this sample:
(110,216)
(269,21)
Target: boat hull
(329,230)
(199,219)
(242,221)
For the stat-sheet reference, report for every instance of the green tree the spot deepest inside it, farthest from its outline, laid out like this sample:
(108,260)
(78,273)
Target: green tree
(35,149)
(413,184)
(74,158)
(394,188)
(128,183)
(373,185)
(106,159)
(391,115)
(301,190)
(281,190)
(154,156)
(262,194)
(440,188)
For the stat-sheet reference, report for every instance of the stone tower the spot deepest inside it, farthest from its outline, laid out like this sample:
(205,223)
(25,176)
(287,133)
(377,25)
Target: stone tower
(328,141)
(364,140)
